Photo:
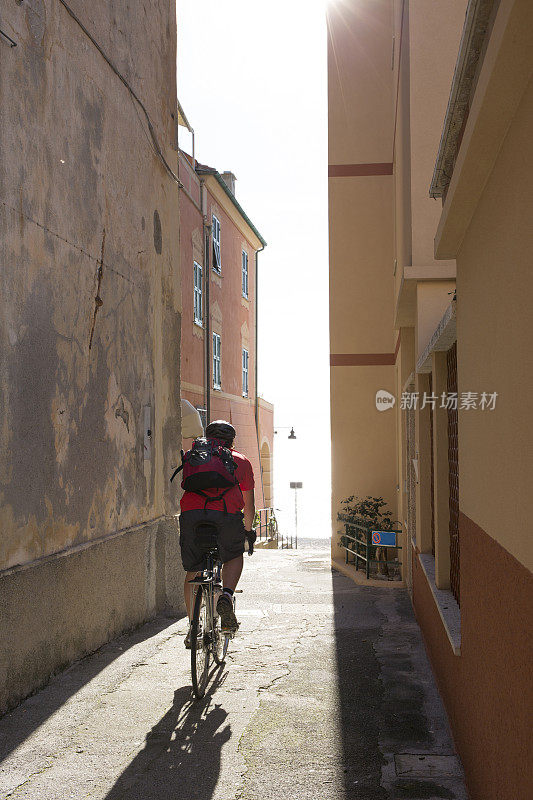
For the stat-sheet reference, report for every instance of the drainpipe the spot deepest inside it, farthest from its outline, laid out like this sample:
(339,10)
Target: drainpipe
(256,362)
(207,348)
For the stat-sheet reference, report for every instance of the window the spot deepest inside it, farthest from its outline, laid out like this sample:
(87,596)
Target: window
(244,273)
(217,262)
(216,361)
(244,372)
(197,272)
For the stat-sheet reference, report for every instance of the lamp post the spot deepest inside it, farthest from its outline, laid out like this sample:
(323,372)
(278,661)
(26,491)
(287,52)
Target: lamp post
(296,485)
(291,435)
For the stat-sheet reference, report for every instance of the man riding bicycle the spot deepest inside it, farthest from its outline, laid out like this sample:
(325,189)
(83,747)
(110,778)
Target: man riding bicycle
(232,511)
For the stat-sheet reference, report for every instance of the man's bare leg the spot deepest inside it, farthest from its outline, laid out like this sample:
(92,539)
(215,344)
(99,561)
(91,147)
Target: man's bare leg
(231,572)
(188,591)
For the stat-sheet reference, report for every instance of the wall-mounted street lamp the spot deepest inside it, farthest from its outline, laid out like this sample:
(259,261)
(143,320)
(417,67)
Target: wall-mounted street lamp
(291,435)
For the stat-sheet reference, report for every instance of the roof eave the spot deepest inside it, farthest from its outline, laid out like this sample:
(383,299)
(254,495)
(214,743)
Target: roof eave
(203,170)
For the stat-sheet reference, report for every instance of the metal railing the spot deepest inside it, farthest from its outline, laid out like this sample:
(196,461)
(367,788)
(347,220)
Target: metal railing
(285,542)
(266,528)
(362,542)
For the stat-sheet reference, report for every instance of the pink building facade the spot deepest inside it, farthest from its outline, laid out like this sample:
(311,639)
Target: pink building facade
(219,248)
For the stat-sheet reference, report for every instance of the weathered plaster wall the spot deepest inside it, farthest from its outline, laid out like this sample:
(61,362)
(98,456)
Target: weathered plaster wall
(89,277)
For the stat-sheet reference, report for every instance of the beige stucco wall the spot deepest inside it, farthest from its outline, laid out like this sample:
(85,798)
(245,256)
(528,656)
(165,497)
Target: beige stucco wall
(381,225)
(405,365)
(361,291)
(400,78)
(434,34)
(361,252)
(494,288)
(359,44)
(363,439)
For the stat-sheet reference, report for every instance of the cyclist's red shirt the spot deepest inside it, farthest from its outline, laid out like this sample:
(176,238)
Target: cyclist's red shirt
(234,499)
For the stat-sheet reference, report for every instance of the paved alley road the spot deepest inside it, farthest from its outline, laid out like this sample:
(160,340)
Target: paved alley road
(326,695)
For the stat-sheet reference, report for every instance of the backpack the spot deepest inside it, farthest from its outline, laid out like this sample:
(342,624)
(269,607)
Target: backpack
(207,465)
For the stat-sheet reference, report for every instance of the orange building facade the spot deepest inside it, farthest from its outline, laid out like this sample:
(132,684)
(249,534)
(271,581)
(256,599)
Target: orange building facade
(219,258)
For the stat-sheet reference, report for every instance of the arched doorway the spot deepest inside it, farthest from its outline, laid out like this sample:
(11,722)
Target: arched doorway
(266,469)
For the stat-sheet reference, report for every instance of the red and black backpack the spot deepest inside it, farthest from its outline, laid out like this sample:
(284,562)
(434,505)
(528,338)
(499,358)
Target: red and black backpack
(207,465)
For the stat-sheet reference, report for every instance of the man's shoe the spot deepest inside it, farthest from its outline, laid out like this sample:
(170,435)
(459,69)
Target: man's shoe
(228,620)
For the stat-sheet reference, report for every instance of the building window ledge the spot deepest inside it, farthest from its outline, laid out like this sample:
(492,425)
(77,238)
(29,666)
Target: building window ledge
(446,603)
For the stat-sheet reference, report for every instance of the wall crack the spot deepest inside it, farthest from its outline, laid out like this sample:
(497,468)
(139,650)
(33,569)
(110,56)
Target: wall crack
(98,302)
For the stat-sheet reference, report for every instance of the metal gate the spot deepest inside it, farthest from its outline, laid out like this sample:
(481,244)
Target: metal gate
(453,467)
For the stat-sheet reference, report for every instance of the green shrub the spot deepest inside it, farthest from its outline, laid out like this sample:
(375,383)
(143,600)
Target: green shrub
(368,512)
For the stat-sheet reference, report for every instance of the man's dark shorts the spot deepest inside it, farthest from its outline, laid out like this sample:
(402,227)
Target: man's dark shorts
(231,536)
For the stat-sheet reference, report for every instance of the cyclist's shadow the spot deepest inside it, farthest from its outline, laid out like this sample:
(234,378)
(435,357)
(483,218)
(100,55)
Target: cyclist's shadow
(181,756)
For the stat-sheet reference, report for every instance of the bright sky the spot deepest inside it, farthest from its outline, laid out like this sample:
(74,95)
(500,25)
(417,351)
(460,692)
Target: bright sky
(252,82)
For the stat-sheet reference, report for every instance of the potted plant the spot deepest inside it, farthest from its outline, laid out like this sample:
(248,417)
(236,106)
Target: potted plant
(370,513)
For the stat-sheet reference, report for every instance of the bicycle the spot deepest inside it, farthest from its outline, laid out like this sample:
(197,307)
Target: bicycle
(207,637)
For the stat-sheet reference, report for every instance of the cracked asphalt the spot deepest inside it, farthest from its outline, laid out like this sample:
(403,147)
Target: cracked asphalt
(326,693)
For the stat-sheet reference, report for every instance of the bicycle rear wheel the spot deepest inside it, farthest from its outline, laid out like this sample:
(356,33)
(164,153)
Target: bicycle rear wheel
(220,646)
(200,643)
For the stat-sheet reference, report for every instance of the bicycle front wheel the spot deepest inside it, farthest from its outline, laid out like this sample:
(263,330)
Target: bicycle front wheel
(200,643)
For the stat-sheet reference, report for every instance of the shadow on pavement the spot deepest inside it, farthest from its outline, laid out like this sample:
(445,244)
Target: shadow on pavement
(381,692)
(18,724)
(182,754)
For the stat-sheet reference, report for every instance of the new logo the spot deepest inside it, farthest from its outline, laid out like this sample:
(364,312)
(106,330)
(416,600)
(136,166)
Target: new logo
(384,400)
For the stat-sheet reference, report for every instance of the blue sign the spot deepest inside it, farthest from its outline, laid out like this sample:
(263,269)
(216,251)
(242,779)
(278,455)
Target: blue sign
(384,538)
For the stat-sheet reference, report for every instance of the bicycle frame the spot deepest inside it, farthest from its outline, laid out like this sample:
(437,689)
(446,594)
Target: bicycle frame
(206,636)
(210,580)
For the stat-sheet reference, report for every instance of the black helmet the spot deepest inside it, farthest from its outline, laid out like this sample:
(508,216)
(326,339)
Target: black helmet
(220,429)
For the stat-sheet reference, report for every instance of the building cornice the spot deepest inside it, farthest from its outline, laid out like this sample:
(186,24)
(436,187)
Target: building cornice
(471,50)
(504,74)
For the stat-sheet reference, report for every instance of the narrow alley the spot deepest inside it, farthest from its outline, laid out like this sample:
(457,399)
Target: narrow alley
(326,693)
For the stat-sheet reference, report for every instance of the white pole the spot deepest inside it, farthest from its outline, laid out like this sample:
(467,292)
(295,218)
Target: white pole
(296,515)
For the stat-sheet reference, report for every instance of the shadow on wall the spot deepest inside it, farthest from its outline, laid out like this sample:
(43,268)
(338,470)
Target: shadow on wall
(182,753)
